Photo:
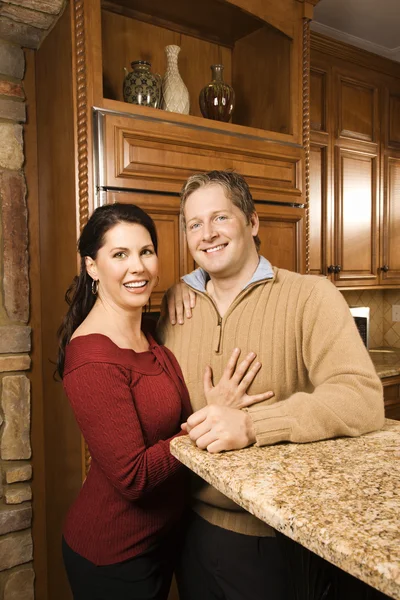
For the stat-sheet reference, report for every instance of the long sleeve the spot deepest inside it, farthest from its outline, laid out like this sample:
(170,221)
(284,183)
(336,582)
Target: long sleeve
(104,406)
(346,396)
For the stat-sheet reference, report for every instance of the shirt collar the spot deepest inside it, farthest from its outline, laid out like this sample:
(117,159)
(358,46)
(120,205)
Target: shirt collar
(198,279)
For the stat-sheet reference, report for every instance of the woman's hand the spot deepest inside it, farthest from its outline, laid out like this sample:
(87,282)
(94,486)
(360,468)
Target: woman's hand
(234,383)
(180,301)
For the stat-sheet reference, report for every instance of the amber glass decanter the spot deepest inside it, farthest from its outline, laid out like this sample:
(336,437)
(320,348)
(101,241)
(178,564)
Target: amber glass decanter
(217,99)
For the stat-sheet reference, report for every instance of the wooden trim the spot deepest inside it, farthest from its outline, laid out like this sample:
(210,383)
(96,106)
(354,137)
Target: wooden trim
(392,380)
(306,135)
(81,103)
(36,374)
(327,45)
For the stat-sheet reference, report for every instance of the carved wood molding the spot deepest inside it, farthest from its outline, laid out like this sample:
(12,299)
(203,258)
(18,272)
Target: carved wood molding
(81,111)
(344,51)
(81,108)
(306,132)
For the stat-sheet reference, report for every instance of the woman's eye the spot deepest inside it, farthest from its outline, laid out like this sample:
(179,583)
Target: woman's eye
(119,255)
(147,252)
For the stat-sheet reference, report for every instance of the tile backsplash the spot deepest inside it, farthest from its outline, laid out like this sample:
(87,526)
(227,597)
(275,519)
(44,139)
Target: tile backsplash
(383,331)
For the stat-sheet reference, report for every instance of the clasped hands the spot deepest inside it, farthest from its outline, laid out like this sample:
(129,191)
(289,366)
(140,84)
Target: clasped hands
(221,425)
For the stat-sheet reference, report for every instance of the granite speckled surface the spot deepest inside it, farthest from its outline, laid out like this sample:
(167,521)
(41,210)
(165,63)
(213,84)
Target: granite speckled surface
(386,361)
(339,498)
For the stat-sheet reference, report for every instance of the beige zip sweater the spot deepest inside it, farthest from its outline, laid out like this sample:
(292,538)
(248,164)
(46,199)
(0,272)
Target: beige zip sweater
(312,358)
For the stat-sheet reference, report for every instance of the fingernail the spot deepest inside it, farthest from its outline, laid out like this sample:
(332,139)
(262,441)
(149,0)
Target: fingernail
(173,321)
(258,364)
(180,321)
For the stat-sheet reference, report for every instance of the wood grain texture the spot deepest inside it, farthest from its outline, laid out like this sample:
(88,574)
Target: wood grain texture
(147,154)
(218,22)
(261,78)
(282,235)
(356,212)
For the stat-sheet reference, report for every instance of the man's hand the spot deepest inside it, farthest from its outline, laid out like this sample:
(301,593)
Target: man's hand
(232,387)
(219,428)
(180,300)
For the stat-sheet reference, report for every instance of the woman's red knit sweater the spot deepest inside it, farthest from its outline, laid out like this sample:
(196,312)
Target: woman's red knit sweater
(128,406)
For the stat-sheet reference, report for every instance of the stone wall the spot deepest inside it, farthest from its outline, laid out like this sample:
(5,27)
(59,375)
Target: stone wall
(16,572)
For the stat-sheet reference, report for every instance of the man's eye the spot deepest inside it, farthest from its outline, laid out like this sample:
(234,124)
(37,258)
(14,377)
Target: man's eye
(221,218)
(194,226)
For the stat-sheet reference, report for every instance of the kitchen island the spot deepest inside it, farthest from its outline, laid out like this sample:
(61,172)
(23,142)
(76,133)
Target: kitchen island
(338,498)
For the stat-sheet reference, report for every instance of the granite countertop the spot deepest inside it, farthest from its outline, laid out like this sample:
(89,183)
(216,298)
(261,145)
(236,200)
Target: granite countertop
(386,361)
(339,498)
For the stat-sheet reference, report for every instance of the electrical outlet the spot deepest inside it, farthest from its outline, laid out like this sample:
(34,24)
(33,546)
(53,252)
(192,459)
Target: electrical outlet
(396,312)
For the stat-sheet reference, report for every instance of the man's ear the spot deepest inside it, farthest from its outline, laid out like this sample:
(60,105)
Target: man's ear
(255,224)
(91,267)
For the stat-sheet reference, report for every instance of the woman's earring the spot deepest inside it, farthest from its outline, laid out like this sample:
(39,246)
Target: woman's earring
(95,286)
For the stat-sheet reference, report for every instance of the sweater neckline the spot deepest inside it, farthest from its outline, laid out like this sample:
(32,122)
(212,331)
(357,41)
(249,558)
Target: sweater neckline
(90,335)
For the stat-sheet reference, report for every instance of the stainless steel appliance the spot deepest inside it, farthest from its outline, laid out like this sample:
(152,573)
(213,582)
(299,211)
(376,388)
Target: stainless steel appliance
(361,318)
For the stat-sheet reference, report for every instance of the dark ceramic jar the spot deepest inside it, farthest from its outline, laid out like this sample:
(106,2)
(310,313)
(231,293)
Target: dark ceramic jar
(141,86)
(217,99)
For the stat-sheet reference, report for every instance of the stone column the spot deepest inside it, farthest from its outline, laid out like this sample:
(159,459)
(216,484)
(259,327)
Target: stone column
(16,572)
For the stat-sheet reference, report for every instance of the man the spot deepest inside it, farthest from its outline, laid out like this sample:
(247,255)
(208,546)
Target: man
(312,357)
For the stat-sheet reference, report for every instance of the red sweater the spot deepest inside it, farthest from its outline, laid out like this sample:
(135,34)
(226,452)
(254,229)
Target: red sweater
(128,406)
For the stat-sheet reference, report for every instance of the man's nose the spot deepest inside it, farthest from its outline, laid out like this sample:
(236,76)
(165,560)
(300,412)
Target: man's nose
(209,232)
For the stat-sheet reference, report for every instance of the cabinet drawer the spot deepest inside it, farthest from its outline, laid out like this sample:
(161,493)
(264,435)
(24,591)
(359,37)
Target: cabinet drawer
(391,391)
(154,154)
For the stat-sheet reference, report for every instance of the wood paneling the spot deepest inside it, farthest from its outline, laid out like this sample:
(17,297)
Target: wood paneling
(35,376)
(220,22)
(318,210)
(391,392)
(394,121)
(356,232)
(360,93)
(145,154)
(282,236)
(262,81)
(58,234)
(318,100)
(391,222)
(357,110)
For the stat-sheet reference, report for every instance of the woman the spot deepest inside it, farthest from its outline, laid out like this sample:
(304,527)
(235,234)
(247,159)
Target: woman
(129,398)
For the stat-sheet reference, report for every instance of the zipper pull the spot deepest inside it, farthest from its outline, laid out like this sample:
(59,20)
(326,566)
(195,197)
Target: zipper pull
(218,335)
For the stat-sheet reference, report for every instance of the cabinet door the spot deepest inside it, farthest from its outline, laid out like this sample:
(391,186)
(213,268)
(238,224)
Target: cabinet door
(391,391)
(390,267)
(282,236)
(356,222)
(174,259)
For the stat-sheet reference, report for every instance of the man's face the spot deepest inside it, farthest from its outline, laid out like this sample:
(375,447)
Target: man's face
(219,238)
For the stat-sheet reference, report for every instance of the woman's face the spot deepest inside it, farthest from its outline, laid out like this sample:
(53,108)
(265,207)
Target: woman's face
(126,267)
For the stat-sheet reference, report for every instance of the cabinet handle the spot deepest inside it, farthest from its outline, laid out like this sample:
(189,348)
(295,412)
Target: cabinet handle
(331,269)
(385,268)
(338,268)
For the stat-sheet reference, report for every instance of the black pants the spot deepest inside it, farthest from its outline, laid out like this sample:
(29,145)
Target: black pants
(310,577)
(217,564)
(145,577)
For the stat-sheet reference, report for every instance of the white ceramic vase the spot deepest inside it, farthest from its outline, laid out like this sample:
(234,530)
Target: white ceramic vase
(174,91)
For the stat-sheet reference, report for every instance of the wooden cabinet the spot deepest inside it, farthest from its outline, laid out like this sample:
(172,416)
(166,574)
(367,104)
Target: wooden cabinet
(391,393)
(93,148)
(354,166)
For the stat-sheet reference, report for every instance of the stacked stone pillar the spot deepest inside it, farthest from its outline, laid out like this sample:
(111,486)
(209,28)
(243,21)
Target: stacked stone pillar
(16,572)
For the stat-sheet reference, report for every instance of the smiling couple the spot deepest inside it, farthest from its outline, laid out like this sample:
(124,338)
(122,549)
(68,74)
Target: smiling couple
(308,376)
